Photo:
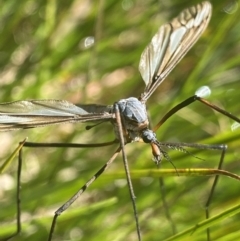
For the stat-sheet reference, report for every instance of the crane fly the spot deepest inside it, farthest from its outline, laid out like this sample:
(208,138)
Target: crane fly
(128,116)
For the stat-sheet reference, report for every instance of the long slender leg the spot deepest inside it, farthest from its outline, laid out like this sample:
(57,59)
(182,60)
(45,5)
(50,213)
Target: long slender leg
(188,102)
(69,145)
(19,150)
(125,162)
(179,146)
(19,192)
(18,200)
(66,205)
(213,189)
(222,147)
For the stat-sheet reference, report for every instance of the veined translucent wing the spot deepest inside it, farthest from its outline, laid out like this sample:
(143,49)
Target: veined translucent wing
(35,113)
(170,44)
(167,47)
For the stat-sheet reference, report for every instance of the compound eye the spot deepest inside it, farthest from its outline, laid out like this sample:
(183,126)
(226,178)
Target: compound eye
(148,136)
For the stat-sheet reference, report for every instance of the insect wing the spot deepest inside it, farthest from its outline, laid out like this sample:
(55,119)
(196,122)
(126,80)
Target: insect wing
(35,113)
(170,44)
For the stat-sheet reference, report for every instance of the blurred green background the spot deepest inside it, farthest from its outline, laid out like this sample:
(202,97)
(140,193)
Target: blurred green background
(46,52)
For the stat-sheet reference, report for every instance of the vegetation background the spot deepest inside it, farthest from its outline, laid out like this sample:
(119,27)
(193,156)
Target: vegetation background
(47,52)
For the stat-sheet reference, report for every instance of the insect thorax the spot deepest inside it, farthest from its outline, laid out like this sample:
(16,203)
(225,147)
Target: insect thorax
(135,121)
